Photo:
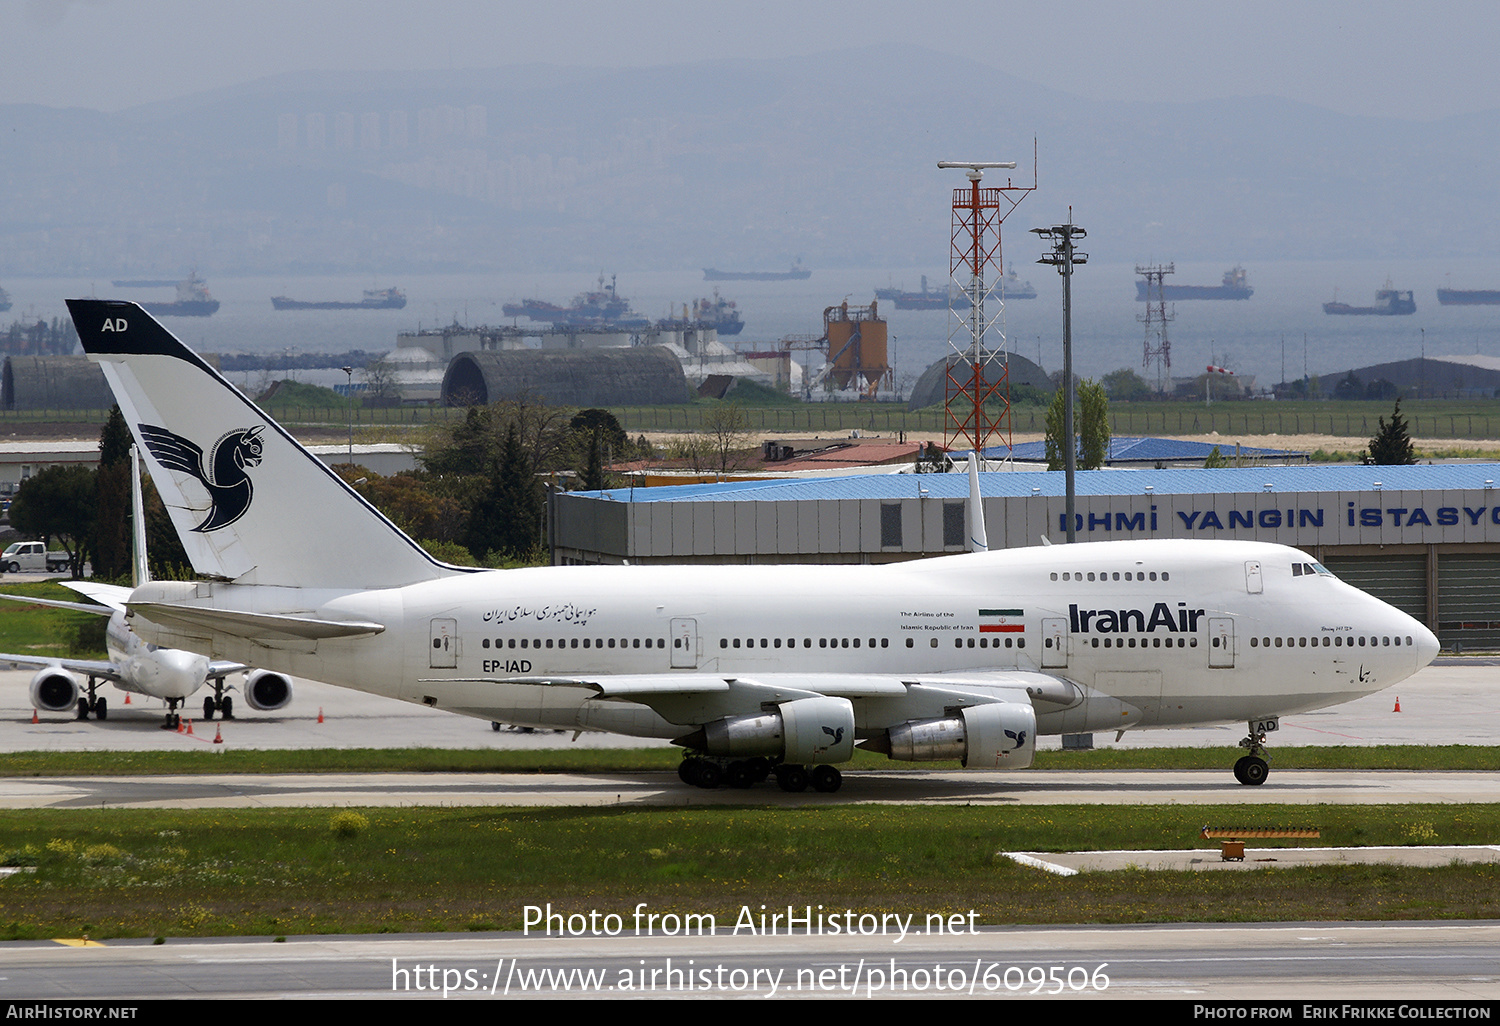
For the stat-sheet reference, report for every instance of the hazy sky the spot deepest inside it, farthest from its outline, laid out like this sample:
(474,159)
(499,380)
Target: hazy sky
(1366,57)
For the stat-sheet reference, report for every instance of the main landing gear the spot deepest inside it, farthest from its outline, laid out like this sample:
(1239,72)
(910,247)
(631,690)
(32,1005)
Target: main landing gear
(220,703)
(174,718)
(708,772)
(96,704)
(1252,769)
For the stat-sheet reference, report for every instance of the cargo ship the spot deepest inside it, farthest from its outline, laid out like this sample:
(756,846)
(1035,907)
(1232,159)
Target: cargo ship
(717,313)
(797,273)
(375,299)
(601,308)
(145,283)
(1469,297)
(193,300)
(938,299)
(1388,302)
(1232,287)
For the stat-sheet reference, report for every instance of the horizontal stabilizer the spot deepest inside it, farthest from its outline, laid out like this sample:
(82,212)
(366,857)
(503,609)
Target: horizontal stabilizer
(257,627)
(112,595)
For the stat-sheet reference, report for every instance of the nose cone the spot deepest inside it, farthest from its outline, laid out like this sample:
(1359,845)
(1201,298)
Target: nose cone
(1427,645)
(179,673)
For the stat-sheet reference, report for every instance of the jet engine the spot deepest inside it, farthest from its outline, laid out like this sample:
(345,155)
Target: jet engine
(267,690)
(804,731)
(1001,735)
(54,689)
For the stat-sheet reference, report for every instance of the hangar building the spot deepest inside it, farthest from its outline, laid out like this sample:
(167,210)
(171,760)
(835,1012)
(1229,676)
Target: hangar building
(1424,538)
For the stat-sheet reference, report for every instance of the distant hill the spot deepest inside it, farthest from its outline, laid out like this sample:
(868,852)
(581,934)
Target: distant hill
(745,163)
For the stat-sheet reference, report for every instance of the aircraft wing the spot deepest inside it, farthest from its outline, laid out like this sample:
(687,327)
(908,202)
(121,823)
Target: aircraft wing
(965,689)
(103,669)
(223,667)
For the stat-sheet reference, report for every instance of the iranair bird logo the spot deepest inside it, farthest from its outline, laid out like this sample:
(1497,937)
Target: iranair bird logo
(221,471)
(837,735)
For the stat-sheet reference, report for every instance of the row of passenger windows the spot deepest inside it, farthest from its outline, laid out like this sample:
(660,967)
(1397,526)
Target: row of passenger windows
(808,643)
(1149,642)
(574,643)
(1336,640)
(1114,575)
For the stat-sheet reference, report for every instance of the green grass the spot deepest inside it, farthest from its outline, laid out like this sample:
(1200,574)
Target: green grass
(45,631)
(627,760)
(118,873)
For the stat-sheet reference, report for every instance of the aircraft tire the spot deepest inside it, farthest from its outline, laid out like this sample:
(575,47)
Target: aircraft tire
(827,779)
(83,708)
(208,708)
(226,708)
(687,772)
(761,766)
(709,775)
(740,774)
(101,709)
(792,778)
(1239,768)
(1255,772)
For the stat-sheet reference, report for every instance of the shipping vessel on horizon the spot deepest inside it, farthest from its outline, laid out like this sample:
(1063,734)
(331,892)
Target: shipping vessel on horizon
(1388,302)
(599,308)
(1233,286)
(375,299)
(797,273)
(1469,297)
(193,300)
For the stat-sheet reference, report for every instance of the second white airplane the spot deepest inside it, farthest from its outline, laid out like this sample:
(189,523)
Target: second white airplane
(752,669)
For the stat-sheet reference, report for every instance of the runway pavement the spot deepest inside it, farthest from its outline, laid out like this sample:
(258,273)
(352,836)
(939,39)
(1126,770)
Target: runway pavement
(1454,702)
(1278,965)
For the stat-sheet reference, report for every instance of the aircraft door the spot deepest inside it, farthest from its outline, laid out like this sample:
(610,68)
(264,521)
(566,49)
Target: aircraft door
(1054,641)
(1220,642)
(684,643)
(1253,582)
(443,651)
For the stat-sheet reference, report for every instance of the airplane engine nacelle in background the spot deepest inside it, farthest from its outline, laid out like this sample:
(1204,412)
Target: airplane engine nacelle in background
(1001,735)
(54,690)
(267,691)
(808,730)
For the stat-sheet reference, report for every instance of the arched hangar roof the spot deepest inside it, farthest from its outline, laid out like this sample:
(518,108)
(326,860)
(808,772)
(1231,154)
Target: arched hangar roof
(633,376)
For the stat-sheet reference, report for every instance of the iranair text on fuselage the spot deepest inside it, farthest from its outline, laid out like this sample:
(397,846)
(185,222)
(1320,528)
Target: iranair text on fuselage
(1161,616)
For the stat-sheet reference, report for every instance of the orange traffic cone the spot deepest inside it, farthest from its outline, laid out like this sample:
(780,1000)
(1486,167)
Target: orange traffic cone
(1398,704)
(320,714)
(127,698)
(219,736)
(189,730)
(34,717)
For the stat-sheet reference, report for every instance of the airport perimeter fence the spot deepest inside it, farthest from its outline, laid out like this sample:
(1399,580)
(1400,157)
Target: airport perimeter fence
(1425,419)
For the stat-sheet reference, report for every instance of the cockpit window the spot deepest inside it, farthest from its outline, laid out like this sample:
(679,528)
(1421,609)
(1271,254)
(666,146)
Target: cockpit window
(1310,569)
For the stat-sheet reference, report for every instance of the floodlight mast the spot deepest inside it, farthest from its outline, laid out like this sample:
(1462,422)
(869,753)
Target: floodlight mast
(1064,257)
(977,216)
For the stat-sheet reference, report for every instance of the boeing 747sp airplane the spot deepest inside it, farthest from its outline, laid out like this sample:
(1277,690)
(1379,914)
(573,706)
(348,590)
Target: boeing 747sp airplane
(751,669)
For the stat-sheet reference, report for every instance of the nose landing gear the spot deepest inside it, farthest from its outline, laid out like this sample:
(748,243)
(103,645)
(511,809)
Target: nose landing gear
(1252,769)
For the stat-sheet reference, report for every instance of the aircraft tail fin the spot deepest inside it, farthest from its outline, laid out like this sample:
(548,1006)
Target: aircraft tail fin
(978,539)
(140,572)
(248,501)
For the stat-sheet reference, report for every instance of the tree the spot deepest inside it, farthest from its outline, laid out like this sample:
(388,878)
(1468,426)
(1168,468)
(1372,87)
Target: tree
(596,438)
(1090,421)
(729,430)
(1093,425)
(1392,444)
(1349,388)
(58,502)
(1125,385)
(111,546)
(507,519)
(1216,460)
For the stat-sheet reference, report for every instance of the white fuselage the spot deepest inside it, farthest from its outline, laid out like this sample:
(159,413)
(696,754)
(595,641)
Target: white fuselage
(147,669)
(1153,633)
